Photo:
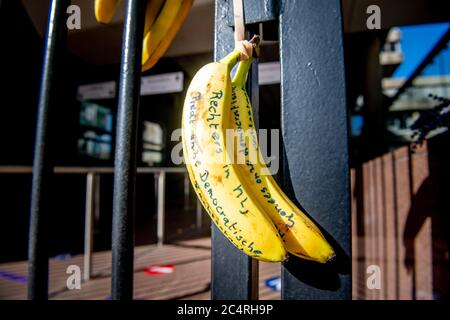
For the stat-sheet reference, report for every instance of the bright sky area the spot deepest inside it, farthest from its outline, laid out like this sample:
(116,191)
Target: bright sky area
(417,41)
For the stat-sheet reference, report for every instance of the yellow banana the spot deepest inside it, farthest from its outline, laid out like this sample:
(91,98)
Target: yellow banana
(160,27)
(300,235)
(218,185)
(163,19)
(105,10)
(151,11)
(167,40)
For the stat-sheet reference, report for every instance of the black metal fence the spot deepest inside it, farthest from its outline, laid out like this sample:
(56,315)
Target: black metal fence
(315,162)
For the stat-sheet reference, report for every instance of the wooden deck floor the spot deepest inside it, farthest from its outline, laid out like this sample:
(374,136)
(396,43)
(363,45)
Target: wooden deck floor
(190,280)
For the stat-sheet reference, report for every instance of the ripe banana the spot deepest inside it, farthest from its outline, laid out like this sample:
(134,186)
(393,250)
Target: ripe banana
(300,235)
(105,10)
(160,27)
(151,11)
(218,184)
(167,40)
(163,19)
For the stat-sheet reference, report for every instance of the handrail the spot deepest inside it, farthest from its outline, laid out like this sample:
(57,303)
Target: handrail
(91,206)
(85,170)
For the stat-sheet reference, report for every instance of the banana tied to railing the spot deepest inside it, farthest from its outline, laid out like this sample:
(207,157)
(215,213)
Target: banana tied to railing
(241,197)
(163,19)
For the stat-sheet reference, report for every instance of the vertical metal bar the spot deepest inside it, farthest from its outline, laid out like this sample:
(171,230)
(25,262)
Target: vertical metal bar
(97,197)
(42,165)
(253,91)
(314,128)
(125,157)
(256,11)
(88,225)
(161,205)
(198,215)
(374,125)
(187,190)
(233,272)
(252,87)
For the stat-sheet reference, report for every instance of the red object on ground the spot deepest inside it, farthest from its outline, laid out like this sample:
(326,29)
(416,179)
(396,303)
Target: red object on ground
(156,270)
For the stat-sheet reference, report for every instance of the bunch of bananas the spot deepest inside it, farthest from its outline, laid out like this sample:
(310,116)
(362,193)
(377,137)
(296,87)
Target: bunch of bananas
(245,203)
(163,19)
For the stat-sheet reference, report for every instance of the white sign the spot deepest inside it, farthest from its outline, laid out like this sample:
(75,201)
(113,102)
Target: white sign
(153,133)
(162,83)
(269,73)
(101,90)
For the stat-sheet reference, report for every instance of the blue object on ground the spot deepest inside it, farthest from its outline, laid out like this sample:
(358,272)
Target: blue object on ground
(274,283)
(13,277)
(62,256)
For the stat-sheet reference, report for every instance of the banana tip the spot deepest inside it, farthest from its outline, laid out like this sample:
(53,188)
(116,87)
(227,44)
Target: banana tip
(331,259)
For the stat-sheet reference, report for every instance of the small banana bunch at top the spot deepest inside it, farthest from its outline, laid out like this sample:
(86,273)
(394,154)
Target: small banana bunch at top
(163,19)
(245,203)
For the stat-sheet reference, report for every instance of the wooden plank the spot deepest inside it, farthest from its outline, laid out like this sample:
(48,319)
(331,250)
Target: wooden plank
(191,279)
(355,239)
(418,225)
(187,279)
(379,214)
(145,256)
(403,194)
(390,273)
(359,230)
(367,225)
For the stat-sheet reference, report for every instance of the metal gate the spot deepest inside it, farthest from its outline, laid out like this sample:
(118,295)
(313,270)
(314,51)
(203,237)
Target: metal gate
(314,130)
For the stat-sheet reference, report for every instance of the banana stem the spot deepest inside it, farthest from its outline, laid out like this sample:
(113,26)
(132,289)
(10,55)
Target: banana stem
(244,66)
(231,59)
(241,73)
